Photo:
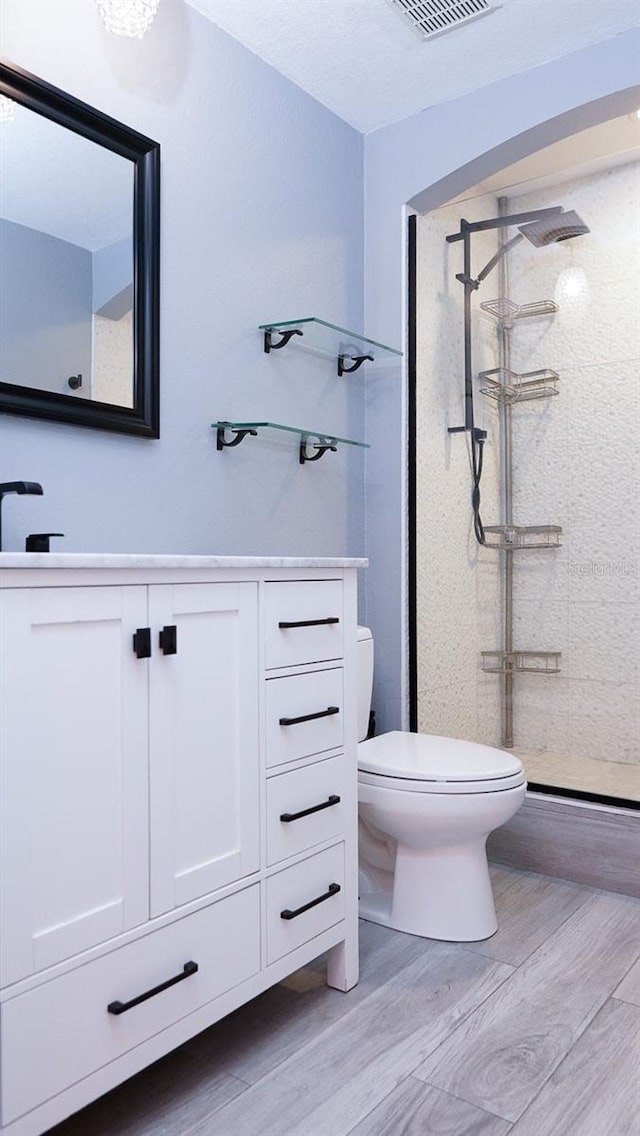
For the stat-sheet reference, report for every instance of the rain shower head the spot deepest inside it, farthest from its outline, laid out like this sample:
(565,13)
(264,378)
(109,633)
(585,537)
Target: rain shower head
(550,230)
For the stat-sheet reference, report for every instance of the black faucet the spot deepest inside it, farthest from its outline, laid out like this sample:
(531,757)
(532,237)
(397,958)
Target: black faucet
(20,487)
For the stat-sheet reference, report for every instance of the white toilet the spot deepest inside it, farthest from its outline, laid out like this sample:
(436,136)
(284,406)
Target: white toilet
(426,806)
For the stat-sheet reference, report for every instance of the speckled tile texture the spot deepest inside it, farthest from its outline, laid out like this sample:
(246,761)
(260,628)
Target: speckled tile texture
(576,463)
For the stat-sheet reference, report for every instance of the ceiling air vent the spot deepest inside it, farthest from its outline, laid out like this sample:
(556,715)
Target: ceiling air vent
(430,18)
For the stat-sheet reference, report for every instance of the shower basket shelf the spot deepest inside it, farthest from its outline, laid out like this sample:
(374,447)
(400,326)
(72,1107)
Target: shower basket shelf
(504,309)
(508,386)
(531,662)
(523,536)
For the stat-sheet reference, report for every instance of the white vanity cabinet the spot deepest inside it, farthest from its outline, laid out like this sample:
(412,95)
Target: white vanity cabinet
(178,806)
(204,743)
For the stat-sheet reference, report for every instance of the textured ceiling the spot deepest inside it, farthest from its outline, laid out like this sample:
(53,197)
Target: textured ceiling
(361,60)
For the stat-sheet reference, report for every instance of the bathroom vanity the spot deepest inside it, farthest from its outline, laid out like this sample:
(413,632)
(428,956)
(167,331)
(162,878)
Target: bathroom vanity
(178,805)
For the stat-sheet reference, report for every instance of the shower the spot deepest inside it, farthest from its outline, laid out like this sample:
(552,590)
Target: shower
(540,227)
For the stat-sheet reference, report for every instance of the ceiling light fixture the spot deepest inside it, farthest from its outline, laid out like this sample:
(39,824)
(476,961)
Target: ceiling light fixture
(7,109)
(127,17)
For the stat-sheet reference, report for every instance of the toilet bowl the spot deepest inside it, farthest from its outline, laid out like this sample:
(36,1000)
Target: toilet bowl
(426,806)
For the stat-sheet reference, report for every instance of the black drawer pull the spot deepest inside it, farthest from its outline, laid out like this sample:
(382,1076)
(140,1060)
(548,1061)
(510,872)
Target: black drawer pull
(309,717)
(122,1007)
(333,890)
(168,639)
(309,622)
(332,800)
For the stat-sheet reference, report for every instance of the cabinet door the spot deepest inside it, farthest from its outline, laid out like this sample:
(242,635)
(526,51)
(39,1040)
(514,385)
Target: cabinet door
(73,772)
(204,741)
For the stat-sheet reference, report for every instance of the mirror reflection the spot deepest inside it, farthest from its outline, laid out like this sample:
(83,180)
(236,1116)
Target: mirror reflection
(66,262)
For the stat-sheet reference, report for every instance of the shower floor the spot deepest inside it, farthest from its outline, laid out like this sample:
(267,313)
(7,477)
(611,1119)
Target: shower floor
(586,774)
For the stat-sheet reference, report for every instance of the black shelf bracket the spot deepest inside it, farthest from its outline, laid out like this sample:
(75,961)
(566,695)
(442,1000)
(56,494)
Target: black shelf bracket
(222,442)
(358,360)
(269,345)
(321,447)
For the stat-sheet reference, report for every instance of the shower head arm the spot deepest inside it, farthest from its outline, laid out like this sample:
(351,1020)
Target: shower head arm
(502,222)
(502,251)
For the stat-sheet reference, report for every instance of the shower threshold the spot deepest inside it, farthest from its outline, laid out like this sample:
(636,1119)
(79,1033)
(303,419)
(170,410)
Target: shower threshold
(614,779)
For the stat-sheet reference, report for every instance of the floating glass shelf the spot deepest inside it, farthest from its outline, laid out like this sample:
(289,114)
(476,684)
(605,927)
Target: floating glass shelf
(531,662)
(509,386)
(523,536)
(348,348)
(504,309)
(310,449)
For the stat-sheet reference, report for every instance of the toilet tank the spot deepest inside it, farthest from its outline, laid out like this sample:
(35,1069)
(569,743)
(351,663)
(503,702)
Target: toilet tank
(365,680)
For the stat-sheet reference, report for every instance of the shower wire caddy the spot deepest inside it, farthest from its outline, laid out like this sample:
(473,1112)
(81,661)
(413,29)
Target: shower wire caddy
(510,387)
(505,309)
(521,662)
(516,537)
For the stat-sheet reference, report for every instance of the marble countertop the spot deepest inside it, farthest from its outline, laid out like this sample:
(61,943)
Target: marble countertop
(171,560)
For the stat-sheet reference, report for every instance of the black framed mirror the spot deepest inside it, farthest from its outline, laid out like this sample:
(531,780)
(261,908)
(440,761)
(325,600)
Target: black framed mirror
(79,262)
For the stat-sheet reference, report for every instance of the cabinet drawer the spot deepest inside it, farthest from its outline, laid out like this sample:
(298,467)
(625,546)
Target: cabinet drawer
(60,1032)
(304,715)
(303,791)
(303,622)
(297,888)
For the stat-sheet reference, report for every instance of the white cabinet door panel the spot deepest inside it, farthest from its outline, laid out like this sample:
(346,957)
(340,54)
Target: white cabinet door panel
(204,741)
(73,772)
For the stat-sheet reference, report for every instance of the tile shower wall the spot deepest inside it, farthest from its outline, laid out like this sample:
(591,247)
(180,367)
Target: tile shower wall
(577,463)
(458,597)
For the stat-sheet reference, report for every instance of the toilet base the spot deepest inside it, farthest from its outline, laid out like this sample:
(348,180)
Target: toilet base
(422,895)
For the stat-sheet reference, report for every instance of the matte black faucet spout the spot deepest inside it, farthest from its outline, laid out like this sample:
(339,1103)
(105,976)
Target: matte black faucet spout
(20,487)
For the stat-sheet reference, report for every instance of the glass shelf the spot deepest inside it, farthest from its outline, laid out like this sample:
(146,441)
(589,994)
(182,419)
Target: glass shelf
(348,348)
(313,443)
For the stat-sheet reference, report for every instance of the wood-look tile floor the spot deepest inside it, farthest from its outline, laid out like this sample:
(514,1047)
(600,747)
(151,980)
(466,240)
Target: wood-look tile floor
(535,1032)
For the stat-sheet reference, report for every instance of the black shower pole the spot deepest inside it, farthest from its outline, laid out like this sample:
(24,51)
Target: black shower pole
(468,289)
(470,286)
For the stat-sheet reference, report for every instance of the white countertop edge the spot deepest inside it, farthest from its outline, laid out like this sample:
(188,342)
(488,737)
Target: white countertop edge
(170,560)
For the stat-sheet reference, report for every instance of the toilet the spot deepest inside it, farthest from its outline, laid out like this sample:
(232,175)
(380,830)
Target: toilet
(426,805)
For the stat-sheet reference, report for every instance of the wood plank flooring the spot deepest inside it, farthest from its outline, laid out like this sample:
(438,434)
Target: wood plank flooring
(534,1032)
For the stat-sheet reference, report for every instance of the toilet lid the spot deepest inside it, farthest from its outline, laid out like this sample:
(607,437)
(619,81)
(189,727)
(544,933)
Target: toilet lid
(428,757)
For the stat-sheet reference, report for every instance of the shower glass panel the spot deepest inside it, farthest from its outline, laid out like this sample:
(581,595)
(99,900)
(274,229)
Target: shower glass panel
(561,408)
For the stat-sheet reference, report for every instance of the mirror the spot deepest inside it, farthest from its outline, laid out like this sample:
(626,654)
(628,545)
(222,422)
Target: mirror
(79,262)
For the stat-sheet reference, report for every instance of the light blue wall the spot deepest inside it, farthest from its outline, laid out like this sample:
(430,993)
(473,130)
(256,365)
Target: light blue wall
(262,218)
(425,160)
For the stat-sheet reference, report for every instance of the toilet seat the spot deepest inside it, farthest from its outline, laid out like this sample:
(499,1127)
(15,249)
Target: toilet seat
(427,763)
